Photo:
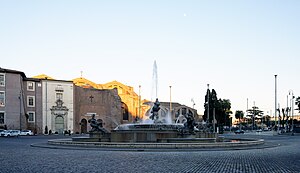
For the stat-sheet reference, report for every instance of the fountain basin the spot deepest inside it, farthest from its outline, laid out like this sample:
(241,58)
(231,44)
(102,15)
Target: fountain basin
(121,145)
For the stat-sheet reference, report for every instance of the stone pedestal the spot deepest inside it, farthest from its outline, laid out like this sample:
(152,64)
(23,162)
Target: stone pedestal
(100,136)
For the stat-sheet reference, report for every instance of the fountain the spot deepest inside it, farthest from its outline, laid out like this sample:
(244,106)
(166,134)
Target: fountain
(159,127)
(157,131)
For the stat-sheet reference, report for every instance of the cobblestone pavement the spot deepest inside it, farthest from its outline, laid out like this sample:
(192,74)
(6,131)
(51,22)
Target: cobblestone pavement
(16,155)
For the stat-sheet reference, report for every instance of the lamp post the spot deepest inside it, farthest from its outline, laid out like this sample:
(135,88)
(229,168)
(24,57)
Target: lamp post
(139,101)
(20,98)
(208,103)
(46,102)
(193,102)
(276,104)
(292,107)
(170,100)
(247,114)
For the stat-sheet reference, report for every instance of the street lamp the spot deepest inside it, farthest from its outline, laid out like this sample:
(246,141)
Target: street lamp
(139,101)
(192,100)
(292,107)
(170,100)
(20,98)
(208,103)
(276,104)
(46,106)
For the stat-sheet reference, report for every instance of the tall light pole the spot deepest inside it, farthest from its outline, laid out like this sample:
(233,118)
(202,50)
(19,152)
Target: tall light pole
(20,98)
(292,107)
(170,100)
(46,127)
(139,101)
(208,103)
(247,113)
(276,103)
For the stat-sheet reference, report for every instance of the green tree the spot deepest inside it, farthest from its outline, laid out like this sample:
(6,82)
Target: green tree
(254,114)
(224,111)
(211,101)
(239,115)
(297,102)
(221,106)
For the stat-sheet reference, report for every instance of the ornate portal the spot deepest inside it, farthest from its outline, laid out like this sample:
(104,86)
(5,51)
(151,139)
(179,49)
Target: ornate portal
(59,113)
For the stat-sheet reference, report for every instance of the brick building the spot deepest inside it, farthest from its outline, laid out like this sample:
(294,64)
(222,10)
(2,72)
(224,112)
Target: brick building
(105,104)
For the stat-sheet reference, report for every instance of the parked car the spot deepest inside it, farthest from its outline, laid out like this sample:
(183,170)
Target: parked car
(2,131)
(9,133)
(259,130)
(26,133)
(239,132)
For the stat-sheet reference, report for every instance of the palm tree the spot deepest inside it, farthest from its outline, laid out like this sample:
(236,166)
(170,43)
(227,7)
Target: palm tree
(238,115)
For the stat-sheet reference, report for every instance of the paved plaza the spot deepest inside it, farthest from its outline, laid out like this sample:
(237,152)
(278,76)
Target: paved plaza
(280,154)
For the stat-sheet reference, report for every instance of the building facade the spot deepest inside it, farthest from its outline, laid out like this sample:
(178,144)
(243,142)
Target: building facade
(12,99)
(46,105)
(130,100)
(104,104)
(33,104)
(57,101)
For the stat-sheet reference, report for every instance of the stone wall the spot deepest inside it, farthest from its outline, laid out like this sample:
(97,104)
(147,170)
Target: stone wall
(104,103)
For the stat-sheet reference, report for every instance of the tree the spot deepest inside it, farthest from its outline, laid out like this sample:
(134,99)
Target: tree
(211,101)
(224,111)
(239,115)
(297,102)
(221,106)
(254,114)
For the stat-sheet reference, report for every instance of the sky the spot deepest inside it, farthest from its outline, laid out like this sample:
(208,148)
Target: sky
(235,46)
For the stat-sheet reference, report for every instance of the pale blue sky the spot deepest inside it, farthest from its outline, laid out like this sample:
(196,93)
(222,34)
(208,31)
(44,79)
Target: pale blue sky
(236,46)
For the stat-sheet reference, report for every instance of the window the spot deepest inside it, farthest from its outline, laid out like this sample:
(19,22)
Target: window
(30,101)
(59,96)
(30,86)
(59,88)
(2,98)
(31,116)
(1,117)
(2,79)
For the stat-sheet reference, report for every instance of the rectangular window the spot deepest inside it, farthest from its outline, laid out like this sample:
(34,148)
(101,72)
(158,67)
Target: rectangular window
(30,101)
(59,96)
(2,79)
(1,117)
(31,116)
(30,86)
(2,98)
